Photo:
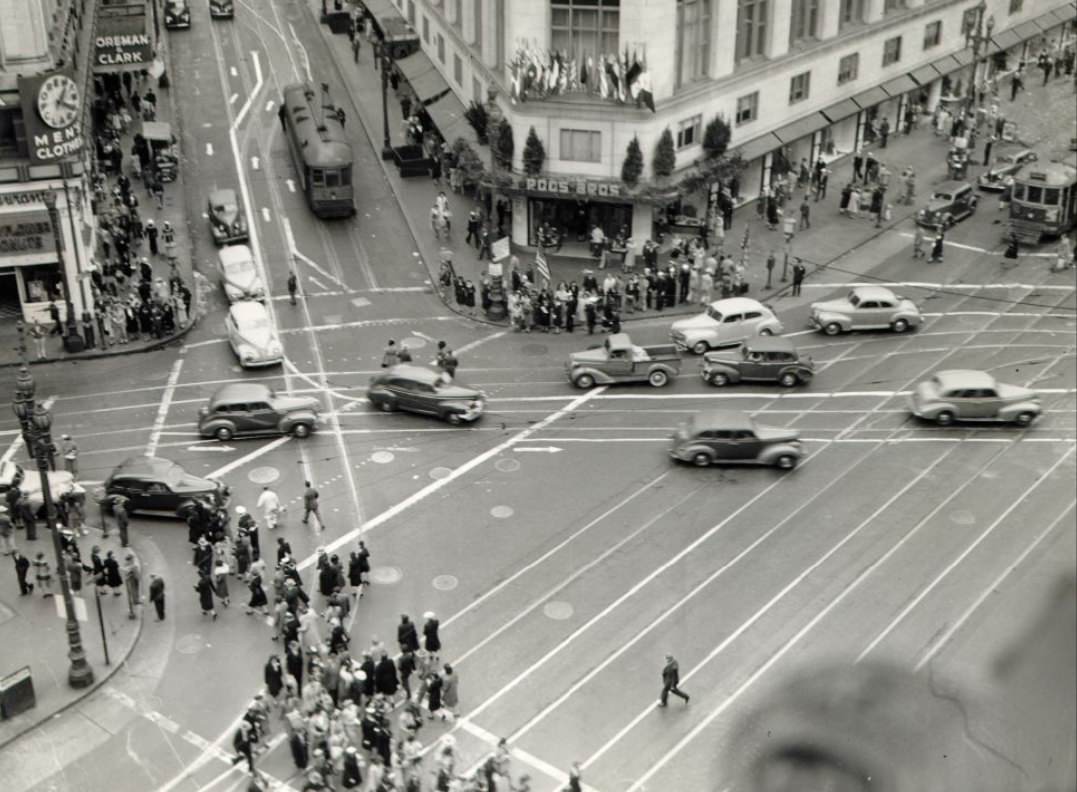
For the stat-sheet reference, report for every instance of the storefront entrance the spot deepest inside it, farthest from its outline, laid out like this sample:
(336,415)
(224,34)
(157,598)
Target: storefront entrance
(574,218)
(10,304)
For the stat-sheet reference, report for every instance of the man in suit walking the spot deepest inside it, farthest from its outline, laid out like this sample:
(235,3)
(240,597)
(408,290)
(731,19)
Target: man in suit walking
(671,676)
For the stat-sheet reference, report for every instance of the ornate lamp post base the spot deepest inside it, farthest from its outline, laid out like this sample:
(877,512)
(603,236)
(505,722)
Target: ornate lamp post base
(80,674)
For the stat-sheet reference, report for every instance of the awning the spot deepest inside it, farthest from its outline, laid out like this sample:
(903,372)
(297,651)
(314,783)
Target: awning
(759,147)
(1006,39)
(414,65)
(1063,15)
(870,97)
(963,57)
(925,74)
(447,113)
(801,128)
(1047,21)
(429,85)
(1027,30)
(899,85)
(839,111)
(947,64)
(382,8)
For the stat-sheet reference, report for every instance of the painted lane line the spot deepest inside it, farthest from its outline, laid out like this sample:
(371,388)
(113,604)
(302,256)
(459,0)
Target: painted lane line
(1002,314)
(479,341)
(937,643)
(255,163)
(209,149)
(233,99)
(162,409)
(233,71)
(429,338)
(965,554)
(293,249)
(761,612)
(316,282)
(639,784)
(290,184)
(270,105)
(266,216)
(402,290)
(538,764)
(974,249)
(941,286)
(457,472)
(365,323)
(302,52)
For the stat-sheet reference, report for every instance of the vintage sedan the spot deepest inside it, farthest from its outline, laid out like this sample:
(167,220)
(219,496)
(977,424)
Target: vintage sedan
(724,323)
(866,308)
(1005,164)
(773,359)
(951,201)
(155,484)
(252,335)
(732,436)
(29,483)
(618,360)
(246,409)
(418,389)
(177,14)
(239,274)
(227,220)
(966,395)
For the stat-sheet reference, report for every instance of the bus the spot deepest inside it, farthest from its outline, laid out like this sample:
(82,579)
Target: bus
(1044,200)
(320,152)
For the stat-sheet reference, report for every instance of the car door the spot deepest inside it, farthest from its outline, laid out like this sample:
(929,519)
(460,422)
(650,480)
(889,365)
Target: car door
(159,497)
(885,315)
(720,441)
(745,445)
(866,315)
(618,363)
(753,365)
(731,330)
(261,417)
(135,492)
(979,403)
(404,393)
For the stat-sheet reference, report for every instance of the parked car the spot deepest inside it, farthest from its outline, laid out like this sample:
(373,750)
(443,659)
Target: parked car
(60,483)
(177,14)
(965,395)
(724,323)
(866,308)
(252,335)
(418,389)
(732,436)
(951,201)
(239,274)
(222,9)
(619,360)
(761,359)
(1005,164)
(250,408)
(227,220)
(155,484)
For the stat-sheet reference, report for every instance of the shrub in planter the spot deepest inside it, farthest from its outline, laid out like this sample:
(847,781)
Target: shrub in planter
(534,154)
(665,157)
(632,168)
(503,144)
(716,137)
(476,116)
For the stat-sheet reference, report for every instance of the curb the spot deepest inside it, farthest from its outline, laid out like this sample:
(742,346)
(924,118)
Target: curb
(326,35)
(101,355)
(99,680)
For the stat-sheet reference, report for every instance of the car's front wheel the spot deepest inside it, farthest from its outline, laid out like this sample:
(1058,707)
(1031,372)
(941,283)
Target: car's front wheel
(584,381)
(832,329)
(899,325)
(301,430)
(766,331)
(454,418)
(945,418)
(1024,418)
(719,380)
(223,433)
(386,406)
(701,460)
(701,347)
(788,379)
(786,462)
(658,379)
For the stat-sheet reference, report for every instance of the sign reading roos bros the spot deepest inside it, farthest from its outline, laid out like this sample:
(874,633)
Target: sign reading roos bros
(578,187)
(26,233)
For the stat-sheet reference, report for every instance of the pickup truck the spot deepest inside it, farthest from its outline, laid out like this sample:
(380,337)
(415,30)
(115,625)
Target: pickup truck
(619,360)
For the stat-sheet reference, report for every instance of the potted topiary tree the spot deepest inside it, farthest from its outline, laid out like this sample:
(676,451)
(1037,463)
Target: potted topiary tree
(716,137)
(632,168)
(502,144)
(534,154)
(665,156)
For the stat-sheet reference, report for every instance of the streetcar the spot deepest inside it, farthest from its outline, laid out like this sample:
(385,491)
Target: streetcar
(1044,200)
(320,152)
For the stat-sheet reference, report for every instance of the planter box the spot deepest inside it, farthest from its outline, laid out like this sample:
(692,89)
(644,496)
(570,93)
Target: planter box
(411,161)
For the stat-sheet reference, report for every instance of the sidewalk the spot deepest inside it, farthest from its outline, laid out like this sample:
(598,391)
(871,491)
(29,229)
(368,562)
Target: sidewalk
(33,634)
(174,212)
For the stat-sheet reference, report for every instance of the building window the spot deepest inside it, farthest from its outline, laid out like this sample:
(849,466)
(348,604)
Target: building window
(933,34)
(751,28)
(799,87)
(747,108)
(805,21)
(426,29)
(848,68)
(585,28)
(477,6)
(892,50)
(476,91)
(1016,6)
(968,21)
(852,12)
(458,12)
(441,48)
(893,5)
(411,12)
(457,69)
(693,40)
(9,138)
(581,145)
(690,132)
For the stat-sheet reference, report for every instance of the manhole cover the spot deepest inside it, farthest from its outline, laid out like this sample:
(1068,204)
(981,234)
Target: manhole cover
(382,457)
(963,517)
(507,465)
(190,644)
(440,472)
(534,350)
(446,582)
(385,575)
(264,475)
(558,610)
(502,512)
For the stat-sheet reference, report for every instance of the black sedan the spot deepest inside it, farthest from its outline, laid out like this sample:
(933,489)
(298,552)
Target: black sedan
(421,390)
(1005,164)
(154,484)
(951,201)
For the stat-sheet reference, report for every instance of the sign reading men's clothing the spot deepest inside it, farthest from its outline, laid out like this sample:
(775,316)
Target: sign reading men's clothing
(52,111)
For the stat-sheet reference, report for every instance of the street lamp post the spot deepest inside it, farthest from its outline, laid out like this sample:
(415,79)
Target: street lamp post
(72,340)
(80,674)
(386,63)
(976,36)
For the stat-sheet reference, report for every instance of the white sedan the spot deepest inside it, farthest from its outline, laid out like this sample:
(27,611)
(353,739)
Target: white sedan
(239,274)
(866,308)
(252,335)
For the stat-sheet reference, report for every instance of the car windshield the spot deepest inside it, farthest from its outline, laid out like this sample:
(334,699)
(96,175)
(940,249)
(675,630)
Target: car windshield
(221,208)
(713,313)
(257,323)
(241,267)
(941,196)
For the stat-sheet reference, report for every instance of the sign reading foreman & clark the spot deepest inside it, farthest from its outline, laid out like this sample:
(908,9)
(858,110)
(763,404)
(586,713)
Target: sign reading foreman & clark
(122,44)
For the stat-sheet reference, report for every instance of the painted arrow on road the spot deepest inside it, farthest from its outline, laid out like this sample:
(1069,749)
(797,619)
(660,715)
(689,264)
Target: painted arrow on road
(221,448)
(539,449)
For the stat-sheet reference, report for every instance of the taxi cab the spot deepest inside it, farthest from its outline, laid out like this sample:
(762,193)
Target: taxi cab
(252,336)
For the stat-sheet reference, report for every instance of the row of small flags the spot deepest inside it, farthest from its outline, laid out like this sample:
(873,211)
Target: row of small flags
(614,78)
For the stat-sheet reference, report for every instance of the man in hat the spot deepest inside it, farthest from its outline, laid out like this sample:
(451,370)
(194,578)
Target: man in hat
(119,511)
(269,504)
(671,676)
(157,595)
(310,505)
(132,577)
(71,455)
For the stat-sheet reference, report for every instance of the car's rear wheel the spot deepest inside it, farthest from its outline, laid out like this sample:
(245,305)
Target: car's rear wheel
(899,325)
(947,222)
(658,379)
(832,329)
(786,462)
(701,460)
(1024,418)
(584,381)
(701,347)
(945,418)
(719,380)
(788,379)
(223,433)
(766,331)
(301,430)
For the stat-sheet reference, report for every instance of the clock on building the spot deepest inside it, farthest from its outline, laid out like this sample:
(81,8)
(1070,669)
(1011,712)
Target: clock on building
(58,101)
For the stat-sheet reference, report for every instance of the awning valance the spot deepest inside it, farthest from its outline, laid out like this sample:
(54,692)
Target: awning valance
(925,74)
(1027,30)
(414,65)
(899,85)
(429,85)
(870,97)
(947,64)
(382,8)
(759,147)
(1006,39)
(839,111)
(801,128)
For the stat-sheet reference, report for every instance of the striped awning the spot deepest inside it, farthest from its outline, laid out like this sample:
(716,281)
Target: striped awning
(839,111)
(758,147)
(1006,39)
(899,85)
(963,57)
(871,97)
(801,128)
(925,74)
(1063,15)
(1027,30)
(947,64)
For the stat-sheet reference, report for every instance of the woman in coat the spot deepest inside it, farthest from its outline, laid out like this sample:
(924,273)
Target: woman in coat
(431,639)
(449,697)
(204,587)
(293,663)
(433,692)
(355,573)
(113,579)
(258,596)
(274,676)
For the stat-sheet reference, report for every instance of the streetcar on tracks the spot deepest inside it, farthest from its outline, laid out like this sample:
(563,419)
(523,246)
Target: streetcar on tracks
(1044,200)
(320,151)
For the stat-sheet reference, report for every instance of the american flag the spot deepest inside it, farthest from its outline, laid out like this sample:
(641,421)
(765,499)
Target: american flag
(542,267)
